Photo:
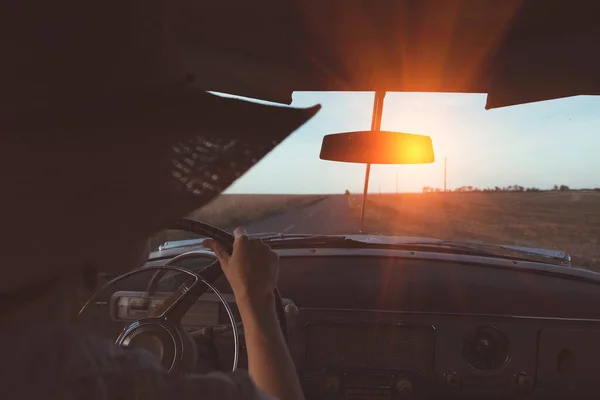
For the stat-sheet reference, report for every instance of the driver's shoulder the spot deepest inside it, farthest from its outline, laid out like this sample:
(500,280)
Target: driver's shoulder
(59,357)
(160,385)
(71,363)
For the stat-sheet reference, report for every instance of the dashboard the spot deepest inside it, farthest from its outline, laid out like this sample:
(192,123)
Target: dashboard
(381,327)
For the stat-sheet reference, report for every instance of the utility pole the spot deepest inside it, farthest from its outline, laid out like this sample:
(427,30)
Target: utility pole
(445,171)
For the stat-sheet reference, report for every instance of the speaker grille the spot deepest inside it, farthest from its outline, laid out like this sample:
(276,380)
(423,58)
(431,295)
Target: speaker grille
(381,346)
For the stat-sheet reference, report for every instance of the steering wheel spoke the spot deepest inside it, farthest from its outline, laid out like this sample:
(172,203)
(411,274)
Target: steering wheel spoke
(175,306)
(178,304)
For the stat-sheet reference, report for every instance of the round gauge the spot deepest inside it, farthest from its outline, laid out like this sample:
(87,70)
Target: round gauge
(486,349)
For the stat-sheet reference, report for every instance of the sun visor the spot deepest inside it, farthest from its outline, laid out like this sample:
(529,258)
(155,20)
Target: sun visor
(544,69)
(219,71)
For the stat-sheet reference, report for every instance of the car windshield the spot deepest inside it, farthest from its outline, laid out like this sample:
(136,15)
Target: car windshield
(524,175)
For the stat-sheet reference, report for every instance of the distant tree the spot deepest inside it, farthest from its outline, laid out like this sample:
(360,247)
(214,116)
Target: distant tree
(555,187)
(347,192)
(497,189)
(426,189)
(564,188)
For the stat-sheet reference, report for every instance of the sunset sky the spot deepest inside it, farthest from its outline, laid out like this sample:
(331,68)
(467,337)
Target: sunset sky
(532,145)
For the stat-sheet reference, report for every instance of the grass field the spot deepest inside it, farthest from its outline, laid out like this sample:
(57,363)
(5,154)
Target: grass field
(232,210)
(568,221)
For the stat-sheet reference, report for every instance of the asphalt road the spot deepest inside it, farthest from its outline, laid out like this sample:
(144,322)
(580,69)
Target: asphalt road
(332,215)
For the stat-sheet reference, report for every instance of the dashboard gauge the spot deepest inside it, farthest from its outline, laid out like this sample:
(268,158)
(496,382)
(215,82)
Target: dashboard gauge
(486,348)
(133,306)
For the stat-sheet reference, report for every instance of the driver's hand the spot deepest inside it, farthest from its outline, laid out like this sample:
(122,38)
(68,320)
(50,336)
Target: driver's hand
(252,269)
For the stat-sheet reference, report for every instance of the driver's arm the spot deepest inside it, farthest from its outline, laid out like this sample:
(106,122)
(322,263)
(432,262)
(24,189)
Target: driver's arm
(252,271)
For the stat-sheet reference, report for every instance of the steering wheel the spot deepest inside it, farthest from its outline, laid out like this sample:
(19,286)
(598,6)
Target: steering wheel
(161,332)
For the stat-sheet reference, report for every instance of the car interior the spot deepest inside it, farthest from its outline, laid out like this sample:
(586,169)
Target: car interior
(373,318)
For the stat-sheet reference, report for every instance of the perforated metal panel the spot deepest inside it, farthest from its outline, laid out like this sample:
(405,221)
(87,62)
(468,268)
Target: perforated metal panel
(362,345)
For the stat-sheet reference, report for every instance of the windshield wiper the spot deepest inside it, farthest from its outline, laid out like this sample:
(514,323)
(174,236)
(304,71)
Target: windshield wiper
(446,246)
(305,239)
(339,241)
(504,250)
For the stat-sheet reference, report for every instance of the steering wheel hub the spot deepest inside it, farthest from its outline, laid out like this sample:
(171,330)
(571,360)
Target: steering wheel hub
(159,338)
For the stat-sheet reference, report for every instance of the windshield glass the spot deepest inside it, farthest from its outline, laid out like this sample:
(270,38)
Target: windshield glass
(525,175)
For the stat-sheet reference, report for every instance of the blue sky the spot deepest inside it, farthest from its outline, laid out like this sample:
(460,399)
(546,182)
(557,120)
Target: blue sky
(533,145)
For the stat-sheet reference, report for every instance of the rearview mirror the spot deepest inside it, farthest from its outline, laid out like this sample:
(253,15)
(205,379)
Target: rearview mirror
(377,147)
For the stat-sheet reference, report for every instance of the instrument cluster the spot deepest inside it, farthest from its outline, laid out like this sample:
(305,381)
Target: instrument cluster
(128,306)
